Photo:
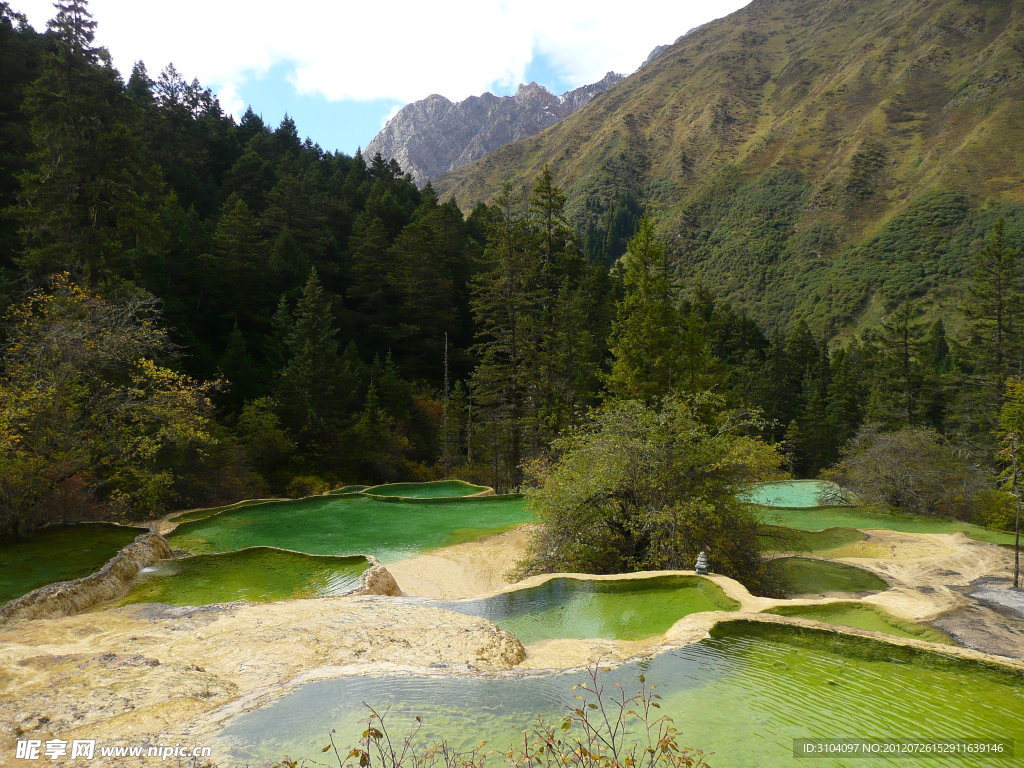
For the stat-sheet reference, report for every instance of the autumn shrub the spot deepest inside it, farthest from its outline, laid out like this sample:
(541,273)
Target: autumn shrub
(911,469)
(307,485)
(93,418)
(995,509)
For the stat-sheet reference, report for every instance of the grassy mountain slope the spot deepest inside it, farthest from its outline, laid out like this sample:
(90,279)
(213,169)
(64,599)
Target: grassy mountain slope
(814,159)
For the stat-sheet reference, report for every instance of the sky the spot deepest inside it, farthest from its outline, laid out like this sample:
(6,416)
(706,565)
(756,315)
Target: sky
(342,68)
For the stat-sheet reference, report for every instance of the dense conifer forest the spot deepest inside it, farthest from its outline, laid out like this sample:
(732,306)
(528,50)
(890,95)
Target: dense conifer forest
(199,309)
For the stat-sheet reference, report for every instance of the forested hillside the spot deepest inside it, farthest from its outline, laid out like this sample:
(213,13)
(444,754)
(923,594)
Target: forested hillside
(199,309)
(314,289)
(817,161)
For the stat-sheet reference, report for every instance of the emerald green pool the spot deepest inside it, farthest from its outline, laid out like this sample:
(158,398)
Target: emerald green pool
(806,576)
(791,493)
(431,490)
(348,525)
(863,616)
(58,553)
(793,505)
(349,489)
(619,609)
(743,695)
(256,574)
(817,518)
(202,514)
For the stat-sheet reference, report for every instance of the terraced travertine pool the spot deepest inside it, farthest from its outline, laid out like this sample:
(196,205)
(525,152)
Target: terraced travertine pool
(58,553)
(742,695)
(348,525)
(797,576)
(776,538)
(794,494)
(864,616)
(619,609)
(397,521)
(789,506)
(256,574)
(433,489)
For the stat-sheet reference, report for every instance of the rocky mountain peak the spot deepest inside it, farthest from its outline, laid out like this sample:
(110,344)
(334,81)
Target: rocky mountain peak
(533,91)
(432,136)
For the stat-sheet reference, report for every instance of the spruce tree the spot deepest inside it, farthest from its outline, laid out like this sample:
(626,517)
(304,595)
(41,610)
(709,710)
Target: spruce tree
(89,197)
(569,354)
(699,368)
(372,295)
(558,252)
(848,391)
(647,362)
(236,279)
(936,365)
(506,307)
(307,386)
(21,53)
(994,347)
(818,441)
(455,427)
(994,306)
(897,379)
(429,264)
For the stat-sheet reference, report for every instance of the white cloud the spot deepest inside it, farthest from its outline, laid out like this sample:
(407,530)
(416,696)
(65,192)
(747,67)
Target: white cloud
(397,49)
(391,113)
(231,100)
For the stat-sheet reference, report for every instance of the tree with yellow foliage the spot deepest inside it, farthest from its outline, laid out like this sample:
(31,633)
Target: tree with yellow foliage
(92,421)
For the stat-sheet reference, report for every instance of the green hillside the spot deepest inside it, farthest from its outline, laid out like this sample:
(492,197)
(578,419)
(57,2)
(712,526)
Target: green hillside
(810,160)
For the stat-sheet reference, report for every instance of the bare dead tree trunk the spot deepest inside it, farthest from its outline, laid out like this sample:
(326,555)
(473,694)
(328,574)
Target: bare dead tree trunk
(1015,458)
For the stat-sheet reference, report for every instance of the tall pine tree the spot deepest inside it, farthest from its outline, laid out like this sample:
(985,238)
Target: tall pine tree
(506,302)
(307,385)
(647,361)
(89,197)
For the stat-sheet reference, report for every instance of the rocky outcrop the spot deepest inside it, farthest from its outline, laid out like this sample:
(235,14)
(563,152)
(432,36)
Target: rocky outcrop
(656,52)
(155,673)
(377,580)
(432,136)
(112,581)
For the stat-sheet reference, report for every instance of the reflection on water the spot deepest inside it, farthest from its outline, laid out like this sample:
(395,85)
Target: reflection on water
(619,609)
(743,695)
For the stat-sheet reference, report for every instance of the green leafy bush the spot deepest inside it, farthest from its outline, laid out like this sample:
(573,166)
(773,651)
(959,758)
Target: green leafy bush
(995,510)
